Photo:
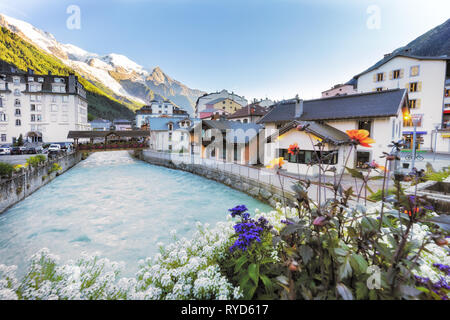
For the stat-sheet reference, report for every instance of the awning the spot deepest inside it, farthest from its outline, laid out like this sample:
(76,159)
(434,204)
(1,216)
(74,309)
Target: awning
(34,134)
(412,132)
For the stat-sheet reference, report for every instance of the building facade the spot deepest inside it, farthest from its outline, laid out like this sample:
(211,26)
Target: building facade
(327,120)
(170,134)
(100,125)
(41,108)
(249,114)
(158,109)
(426,80)
(208,98)
(339,90)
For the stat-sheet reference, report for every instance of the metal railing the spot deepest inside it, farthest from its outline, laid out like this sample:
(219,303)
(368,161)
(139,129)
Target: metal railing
(281,180)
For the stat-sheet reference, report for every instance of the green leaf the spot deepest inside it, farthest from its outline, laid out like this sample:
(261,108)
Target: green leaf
(442,221)
(355,173)
(306,253)
(376,178)
(345,269)
(344,292)
(267,282)
(361,291)
(340,252)
(352,232)
(239,263)
(253,272)
(358,263)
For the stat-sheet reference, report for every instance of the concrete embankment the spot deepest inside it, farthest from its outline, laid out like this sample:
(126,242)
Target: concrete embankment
(24,183)
(259,190)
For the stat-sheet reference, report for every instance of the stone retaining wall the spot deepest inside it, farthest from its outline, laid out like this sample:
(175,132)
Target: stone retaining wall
(256,189)
(22,185)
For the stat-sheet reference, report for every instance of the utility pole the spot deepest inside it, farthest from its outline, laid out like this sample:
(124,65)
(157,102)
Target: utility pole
(415,119)
(436,126)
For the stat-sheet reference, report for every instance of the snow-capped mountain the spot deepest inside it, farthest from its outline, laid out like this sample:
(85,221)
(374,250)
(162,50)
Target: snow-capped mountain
(116,72)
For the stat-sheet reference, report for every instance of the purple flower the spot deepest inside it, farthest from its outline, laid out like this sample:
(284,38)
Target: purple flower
(286,222)
(319,221)
(238,210)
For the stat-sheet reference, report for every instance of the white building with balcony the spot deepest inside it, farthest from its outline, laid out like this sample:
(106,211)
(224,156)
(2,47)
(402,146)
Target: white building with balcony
(41,108)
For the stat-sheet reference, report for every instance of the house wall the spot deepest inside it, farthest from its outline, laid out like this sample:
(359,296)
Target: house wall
(342,90)
(383,131)
(431,77)
(59,115)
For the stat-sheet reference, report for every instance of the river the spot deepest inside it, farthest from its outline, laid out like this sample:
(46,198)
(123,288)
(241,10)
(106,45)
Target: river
(115,206)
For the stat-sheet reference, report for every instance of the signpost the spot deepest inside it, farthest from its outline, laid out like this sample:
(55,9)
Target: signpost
(415,120)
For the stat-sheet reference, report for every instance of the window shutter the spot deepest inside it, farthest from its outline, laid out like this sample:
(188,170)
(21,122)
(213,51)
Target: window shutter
(374,77)
(374,89)
(407,86)
(419,86)
(391,75)
(417,103)
(402,73)
(384,76)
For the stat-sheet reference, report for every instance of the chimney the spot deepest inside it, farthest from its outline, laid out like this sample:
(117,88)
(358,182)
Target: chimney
(298,107)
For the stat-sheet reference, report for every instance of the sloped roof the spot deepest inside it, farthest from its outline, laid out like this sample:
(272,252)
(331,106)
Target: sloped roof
(246,111)
(161,124)
(401,54)
(321,130)
(237,132)
(365,105)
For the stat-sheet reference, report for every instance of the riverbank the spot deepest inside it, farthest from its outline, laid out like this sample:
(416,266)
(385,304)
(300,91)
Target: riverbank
(264,192)
(23,184)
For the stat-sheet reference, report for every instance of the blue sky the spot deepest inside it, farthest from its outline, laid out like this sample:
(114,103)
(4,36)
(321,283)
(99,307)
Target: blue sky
(256,48)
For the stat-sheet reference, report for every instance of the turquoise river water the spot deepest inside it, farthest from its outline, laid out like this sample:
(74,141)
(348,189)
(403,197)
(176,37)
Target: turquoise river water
(116,206)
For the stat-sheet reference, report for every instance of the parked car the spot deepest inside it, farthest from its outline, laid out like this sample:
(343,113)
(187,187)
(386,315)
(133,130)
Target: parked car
(54,147)
(30,150)
(5,150)
(16,150)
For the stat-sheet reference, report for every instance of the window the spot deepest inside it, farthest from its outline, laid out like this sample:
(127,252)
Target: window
(170,126)
(16,92)
(54,99)
(380,76)
(16,80)
(65,99)
(413,87)
(33,118)
(32,97)
(17,113)
(365,125)
(38,98)
(414,71)
(447,93)
(39,117)
(65,118)
(54,108)
(362,159)
(379,89)
(18,122)
(182,137)
(40,79)
(3,137)
(33,107)
(396,74)
(17,103)
(3,116)
(307,156)
(30,79)
(414,103)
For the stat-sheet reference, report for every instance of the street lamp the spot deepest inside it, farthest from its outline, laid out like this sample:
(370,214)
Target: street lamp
(436,127)
(415,120)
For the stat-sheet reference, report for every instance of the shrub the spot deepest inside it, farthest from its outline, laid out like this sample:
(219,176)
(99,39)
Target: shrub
(35,161)
(6,169)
